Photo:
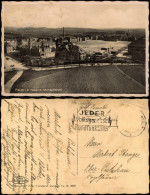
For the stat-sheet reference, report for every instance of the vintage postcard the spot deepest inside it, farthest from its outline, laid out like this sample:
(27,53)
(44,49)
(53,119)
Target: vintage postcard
(71,146)
(76,48)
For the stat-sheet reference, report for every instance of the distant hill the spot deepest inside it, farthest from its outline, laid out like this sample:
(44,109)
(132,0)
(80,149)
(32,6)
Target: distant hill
(43,31)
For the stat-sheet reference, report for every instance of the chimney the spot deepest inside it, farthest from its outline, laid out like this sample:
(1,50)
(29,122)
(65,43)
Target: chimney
(63,32)
(29,43)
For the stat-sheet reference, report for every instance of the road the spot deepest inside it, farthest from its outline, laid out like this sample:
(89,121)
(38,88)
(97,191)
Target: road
(12,64)
(85,80)
(9,84)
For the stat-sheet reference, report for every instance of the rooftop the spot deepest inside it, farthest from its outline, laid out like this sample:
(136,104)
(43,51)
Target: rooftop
(138,43)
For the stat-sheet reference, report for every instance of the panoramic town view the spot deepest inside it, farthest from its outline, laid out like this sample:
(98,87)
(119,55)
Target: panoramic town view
(68,58)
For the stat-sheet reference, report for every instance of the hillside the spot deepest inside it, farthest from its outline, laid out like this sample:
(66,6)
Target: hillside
(11,32)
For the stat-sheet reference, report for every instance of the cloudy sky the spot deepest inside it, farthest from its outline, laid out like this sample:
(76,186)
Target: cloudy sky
(76,14)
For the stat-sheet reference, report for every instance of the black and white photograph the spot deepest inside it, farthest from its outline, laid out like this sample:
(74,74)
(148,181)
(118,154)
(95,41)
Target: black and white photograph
(75,48)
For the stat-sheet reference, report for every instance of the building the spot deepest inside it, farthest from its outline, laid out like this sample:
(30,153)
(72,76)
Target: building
(39,48)
(13,43)
(83,55)
(137,50)
(67,53)
(83,38)
(97,56)
(29,52)
(95,37)
(100,37)
(73,39)
(79,39)
(8,48)
(24,43)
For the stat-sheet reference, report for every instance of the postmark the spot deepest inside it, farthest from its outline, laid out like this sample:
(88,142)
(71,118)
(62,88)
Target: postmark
(137,130)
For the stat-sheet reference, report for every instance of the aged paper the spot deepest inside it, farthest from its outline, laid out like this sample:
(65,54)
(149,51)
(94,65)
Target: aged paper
(74,146)
(66,48)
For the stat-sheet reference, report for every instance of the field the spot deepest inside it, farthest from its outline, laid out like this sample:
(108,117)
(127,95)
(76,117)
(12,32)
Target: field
(138,73)
(28,75)
(85,80)
(91,46)
(9,75)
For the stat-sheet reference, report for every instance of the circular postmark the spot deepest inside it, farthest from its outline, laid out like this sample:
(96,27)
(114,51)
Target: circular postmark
(134,126)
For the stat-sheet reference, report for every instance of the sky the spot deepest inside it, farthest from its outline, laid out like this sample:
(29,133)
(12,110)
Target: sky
(75,14)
